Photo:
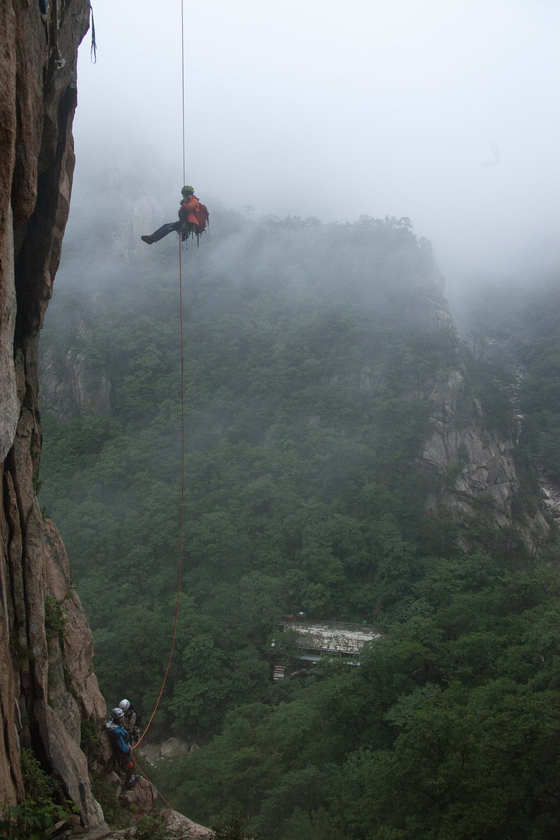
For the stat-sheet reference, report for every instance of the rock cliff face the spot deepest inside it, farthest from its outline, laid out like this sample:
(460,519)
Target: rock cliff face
(47,686)
(477,457)
(68,388)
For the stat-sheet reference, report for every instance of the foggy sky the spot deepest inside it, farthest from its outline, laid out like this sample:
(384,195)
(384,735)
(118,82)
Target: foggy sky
(442,110)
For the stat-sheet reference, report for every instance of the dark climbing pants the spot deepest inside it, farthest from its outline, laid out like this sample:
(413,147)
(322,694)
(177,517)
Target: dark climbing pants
(165,229)
(181,227)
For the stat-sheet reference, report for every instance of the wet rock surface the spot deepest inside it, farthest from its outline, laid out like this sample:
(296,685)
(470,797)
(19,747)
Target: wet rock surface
(476,457)
(47,685)
(179,826)
(48,689)
(551,497)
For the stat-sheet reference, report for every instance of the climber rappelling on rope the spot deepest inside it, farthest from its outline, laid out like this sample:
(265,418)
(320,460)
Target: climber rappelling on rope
(193,218)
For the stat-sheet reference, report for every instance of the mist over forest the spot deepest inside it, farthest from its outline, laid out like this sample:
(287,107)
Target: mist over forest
(443,111)
(357,449)
(312,355)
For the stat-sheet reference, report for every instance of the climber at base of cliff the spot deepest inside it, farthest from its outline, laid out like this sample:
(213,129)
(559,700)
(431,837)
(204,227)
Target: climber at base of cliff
(193,218)
(120,742)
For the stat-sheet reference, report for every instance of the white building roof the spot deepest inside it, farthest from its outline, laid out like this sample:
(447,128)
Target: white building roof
(332,635)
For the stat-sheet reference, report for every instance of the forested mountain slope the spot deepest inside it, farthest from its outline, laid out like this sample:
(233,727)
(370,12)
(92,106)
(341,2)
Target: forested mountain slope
(346,456)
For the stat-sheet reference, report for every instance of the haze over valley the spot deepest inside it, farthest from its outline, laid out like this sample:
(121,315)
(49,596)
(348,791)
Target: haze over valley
(281,499)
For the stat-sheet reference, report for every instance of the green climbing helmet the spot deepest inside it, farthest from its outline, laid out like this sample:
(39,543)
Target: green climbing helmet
(187,189)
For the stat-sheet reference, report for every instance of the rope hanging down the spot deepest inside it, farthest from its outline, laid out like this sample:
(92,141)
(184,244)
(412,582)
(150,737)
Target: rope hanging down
(152,786)
(148,725)
(93,50)
(183,87)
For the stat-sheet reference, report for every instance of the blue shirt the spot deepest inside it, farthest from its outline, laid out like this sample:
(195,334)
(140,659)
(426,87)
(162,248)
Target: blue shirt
(120,739)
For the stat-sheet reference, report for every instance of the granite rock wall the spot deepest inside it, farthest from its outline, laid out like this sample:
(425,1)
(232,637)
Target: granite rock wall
(47,685)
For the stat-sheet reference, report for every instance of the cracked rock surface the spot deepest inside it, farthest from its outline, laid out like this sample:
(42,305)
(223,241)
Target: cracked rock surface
(47,685)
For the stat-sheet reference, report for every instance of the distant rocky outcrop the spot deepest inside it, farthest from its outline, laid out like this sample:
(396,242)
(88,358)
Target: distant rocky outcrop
(478,459)
(473,457)
(68,386)
(551,497)
(476,456)
(142,215)
(171,748)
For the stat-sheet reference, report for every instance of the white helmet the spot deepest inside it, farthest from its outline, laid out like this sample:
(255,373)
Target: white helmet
(124,705)
(117,713)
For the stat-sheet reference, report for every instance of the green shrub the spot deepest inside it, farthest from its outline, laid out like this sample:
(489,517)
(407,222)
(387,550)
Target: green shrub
(39,786)
(89,736)
(104,793)
(38,812)
(150,827)
(55,618)
(29,821)
(234,828)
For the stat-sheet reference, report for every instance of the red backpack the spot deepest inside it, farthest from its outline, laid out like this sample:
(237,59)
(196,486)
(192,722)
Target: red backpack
(203,218)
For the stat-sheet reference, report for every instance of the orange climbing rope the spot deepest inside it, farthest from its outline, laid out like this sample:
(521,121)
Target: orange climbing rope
(148,725)
(183,87)
(141,769)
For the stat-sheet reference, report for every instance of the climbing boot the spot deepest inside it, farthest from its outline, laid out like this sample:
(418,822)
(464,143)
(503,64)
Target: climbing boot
(149,240)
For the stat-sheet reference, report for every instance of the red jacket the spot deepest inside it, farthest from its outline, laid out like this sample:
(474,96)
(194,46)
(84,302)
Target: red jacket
(188,211)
